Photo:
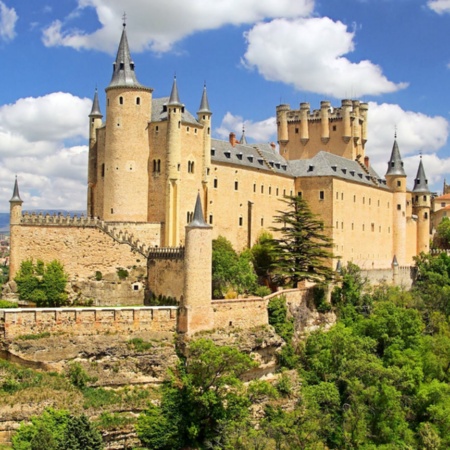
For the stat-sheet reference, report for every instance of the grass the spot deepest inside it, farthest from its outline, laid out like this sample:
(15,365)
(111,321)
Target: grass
(8,304)
(139,344)
(33,337)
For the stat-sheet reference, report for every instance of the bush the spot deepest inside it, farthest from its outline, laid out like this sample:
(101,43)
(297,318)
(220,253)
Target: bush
(78,376)
(8,304)
(122,273)
(262,291)
(43,284)
(98,275)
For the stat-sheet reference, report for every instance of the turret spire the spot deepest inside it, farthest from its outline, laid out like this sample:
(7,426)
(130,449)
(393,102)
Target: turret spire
(243,139)
(123,68)
(421,182)
(204,104)
(198,220)
(174,97)
(395,164)
(95,111)
(16,196)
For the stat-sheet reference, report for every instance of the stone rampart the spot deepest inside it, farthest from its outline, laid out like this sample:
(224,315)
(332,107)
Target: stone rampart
(17,322)
(240,313)
(405,277)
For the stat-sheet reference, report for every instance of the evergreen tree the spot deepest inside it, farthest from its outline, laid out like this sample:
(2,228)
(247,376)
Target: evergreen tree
(302,250)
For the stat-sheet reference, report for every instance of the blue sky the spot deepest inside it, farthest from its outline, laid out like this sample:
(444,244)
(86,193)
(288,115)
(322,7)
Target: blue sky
(253,54)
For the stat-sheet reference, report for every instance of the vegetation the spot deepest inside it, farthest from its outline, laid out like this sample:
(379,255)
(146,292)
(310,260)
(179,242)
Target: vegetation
(302,252)
(8,304)
(57,430)
(43,284)
(231,271)
(122,273)
(441,238)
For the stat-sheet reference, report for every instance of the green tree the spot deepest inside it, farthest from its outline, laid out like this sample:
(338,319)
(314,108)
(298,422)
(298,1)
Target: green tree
(200,401)
(230,270)
(57,430)
(43,284)
(302,252)
(263,257)
(441,238)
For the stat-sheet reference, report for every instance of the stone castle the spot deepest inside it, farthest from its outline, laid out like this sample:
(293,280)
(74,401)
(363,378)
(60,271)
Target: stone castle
(151,161)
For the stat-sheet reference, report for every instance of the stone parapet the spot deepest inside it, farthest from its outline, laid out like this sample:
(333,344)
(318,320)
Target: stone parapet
(17,322)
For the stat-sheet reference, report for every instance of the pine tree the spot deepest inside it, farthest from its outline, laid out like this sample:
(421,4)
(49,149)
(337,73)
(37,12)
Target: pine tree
(302,250)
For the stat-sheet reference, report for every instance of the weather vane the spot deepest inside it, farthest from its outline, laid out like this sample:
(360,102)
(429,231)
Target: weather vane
(124,19)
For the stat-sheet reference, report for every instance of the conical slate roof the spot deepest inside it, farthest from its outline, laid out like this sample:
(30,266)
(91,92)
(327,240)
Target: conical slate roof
(16,196)
(421,182)
(204,104)
(243,139)
(395,164)
(95,111)
(174,97)
(198,220)
(123,71)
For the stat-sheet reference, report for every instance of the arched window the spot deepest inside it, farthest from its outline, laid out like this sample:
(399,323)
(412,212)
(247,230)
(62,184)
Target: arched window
(138,100)
(121,100)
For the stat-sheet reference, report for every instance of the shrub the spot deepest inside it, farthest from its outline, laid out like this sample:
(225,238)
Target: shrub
(98,275)
(262,291)
(122,273)
(8,304)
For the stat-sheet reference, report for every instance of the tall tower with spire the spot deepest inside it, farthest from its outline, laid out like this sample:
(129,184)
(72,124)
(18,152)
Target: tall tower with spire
(95,122)
(396,180)
(125,170)
(15,214)
(204,117)
(422,208)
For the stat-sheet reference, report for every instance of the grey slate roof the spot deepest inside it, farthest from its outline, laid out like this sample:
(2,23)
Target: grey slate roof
(256,156)
(123,72)
(204,104)
(159,112)
(326,164)
(421,182)
(243,139)
(16,197)
(395,164)
(95,111)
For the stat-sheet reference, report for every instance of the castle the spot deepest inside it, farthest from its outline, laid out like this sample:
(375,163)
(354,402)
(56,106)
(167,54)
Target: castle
(151,161)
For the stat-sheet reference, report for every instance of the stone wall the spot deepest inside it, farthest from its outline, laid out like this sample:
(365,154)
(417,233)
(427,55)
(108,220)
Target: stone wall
(166,277)
(405,277)
(86,321)
(240,313)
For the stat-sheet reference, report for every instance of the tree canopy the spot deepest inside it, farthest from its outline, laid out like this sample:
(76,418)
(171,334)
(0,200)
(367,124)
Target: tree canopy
(302,248)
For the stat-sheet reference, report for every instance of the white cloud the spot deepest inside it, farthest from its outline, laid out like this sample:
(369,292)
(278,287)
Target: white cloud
(439,6)
(8,19)
(309,54)
(158,25)
(36,143)
(263,131)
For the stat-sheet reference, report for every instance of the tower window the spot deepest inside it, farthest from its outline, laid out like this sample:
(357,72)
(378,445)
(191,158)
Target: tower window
(262,189)
(334,127)
(270,190)
(322,195)
(103,170)
(215,182)
(399,207)
(121,100)
(240,221)
(236,185)
(299,194)
(296,131)
(399,183)
(210,219)
(138,100)
(424,198)
(262,221)
(276,192)
(254,187)
(190,166)
(425,215)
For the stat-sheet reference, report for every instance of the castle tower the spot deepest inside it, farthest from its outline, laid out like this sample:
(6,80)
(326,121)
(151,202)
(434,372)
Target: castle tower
(422,208)
(204,117)
(282,127)
(95,122)
(196,312)
(125,171)
(15,211)
(174,115)
(396,181)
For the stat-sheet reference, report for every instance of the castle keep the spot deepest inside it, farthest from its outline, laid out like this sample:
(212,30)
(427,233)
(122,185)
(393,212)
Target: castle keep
(151,161)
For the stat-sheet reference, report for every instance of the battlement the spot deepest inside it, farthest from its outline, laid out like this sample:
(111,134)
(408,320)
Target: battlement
(166,253)
(32,218)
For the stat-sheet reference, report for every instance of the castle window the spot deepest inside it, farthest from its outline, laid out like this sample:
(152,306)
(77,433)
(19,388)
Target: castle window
(209,130)
(121,100)
(334,127)
(187,129)
(290,192)
(389,230)
(337,224)
(103,170)
(236,185)
(215,182)
(399,207)
(442,204)
(138,100)
(190,166)
(157,129)
(270,190)
(210,219)
(262,189)
(342,196)
(354,198)
(364,200)
(154,165)
(379,228)
(296,131)
(372,227)
(424,198)
(178,167)
(337,195)
(262,221)
(378,202)
(158,166)
(204,117)
(254,187)
(195,130)
(276,192)
(425,216)
(92,120)
(399,183)
(112,210)
(213,151)
(370,201)
(300,194)
(135,287)
(179,124)
(322,195)
(107,102)
(353,226)
(363,227)
(342,225)
(240,221)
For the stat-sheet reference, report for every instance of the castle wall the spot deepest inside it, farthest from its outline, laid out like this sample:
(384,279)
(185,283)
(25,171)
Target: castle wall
(405,276)
(166,277)
(257,196)
(240,313)
(99,187)
(83,322)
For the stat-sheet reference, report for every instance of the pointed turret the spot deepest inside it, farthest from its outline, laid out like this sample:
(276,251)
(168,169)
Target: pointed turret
(16,197)
(421,182)
(95,111)
(395,164)
(243,140)
(204,104)
(123,68)
(174,97)
(198,220)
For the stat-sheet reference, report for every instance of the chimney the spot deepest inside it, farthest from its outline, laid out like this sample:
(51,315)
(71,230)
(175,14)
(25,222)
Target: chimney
(232,139)
(366,162)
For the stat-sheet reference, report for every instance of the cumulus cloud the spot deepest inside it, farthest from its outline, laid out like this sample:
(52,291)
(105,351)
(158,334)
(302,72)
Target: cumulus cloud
(263,131)
(309,54)
(8,19)
(439,6)
(158,25)
(37,137)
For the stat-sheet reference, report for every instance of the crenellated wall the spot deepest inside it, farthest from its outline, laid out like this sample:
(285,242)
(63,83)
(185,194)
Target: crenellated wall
(86,321)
